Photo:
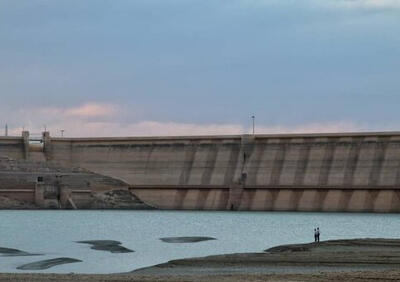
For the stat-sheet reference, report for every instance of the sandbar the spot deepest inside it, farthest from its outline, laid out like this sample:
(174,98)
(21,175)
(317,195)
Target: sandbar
(107,245)
(9,252)
(187,239)
(45,264)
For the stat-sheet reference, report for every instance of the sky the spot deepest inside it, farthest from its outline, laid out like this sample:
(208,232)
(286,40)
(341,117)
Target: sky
(197,67)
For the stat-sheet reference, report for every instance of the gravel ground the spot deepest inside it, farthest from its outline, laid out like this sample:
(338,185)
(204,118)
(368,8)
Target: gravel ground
(335,276)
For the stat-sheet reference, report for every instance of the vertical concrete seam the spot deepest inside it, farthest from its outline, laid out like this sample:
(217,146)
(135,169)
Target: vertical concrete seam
(190,152)
(179,198)
(202,198)
(47,146)
(247,203)
(302,162)
(379,157)
(277,166)
(371,199)
(233,162)
(255,164)
(352,161)
(327,162)
(148,164)
(345,197)
(321,197)
(209,166)
(397,180)
(295,198)
(25,140)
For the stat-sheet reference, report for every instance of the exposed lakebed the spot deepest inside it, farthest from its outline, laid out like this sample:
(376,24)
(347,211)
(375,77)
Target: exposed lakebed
(46,264)
(329,256)
(122,241)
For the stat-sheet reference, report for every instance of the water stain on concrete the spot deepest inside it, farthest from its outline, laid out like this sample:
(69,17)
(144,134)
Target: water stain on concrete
(192,239)
(45,264)
(107,245)
(8,252)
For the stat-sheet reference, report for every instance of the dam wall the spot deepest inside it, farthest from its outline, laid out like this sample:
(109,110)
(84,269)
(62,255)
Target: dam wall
(313,172)
(13,147)
(293,172)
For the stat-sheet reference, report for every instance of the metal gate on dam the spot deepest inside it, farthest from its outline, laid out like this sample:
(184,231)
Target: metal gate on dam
(293,172)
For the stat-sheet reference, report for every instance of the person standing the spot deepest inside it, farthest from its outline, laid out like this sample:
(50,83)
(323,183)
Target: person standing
(318,233)
(315,235)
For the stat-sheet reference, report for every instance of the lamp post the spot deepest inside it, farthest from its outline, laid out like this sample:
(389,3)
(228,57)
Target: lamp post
(253,117)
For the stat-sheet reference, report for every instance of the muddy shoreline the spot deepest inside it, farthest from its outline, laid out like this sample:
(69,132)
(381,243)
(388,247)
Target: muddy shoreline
(345,260)
(354,276)
(328,256)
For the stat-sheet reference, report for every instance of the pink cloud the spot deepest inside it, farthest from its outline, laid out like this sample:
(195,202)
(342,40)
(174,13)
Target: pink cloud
(91,110)
(328,127)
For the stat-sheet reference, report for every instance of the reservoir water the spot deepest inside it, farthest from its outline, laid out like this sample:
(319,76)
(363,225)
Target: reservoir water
(54,234)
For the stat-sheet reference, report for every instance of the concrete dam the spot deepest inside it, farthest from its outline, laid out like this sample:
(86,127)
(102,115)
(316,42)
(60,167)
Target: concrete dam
(352,172)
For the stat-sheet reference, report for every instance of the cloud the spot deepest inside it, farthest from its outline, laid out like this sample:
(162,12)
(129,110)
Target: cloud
(328,127)
(380,3)
(87,110)
(81,128)
(107,119)
(368,4)
(91,110)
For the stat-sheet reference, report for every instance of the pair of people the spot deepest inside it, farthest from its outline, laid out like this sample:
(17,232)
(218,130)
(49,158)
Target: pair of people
(316,234)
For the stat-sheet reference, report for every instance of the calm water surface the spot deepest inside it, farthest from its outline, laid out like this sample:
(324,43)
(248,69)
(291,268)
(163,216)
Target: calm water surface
(53,233)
